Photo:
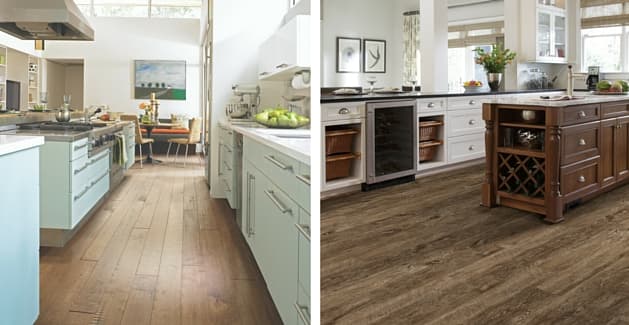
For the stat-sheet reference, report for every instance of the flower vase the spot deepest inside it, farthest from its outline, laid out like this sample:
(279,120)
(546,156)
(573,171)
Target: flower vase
(494,80)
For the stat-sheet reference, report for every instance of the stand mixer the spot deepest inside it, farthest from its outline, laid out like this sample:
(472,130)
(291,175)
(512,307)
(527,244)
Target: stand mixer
(244,103)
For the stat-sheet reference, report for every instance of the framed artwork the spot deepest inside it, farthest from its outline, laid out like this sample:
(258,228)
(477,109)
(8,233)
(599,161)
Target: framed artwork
(165,78)
(375,56)
(348,54)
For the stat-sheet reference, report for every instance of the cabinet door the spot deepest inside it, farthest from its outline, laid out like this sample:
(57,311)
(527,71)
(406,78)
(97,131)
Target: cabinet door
(621,149)
(559,33)
(608,132)
(543,34)
(248,206)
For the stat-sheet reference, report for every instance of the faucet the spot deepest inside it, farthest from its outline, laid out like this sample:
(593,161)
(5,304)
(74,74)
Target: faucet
(89,115)
(570,88)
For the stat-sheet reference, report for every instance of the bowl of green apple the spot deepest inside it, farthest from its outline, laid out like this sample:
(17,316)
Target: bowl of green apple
(281,118)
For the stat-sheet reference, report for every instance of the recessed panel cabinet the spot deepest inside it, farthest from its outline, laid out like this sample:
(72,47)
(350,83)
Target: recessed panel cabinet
(615,145)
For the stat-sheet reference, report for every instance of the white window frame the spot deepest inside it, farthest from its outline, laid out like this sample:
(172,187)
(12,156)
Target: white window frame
(92,13)
(624,49)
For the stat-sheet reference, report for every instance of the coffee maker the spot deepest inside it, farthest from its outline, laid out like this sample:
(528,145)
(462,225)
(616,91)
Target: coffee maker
(593,77)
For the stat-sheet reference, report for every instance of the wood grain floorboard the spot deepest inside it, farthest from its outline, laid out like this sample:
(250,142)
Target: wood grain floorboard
(159,250)
(427,253)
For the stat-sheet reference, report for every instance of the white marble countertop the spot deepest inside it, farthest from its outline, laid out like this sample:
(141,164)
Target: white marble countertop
(292,142)
(12,143)
(582,98)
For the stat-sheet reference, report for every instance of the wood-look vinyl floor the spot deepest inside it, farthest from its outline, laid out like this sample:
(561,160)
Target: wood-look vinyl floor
(158,251)
(427,253)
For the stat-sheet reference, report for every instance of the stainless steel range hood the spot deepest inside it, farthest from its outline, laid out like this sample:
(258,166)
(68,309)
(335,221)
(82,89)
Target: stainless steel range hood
(44,20)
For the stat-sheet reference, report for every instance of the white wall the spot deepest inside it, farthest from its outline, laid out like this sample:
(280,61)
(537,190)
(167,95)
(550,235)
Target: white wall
(55,76)
(17,70)
(74,83)
(239,28)
(380,19)
(108,60)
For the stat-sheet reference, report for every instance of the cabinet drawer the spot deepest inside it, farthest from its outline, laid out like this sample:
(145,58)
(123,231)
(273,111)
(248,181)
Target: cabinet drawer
(581,114)
(78,148)
(303,227)
(580,179)
(465,122)
(79,173)
(456,103)
(85,200)
(614,109)
(280,168)
(466,147)
(342,111)
(228,187)
(226,136)
(431,105)
(302,193)
(580,142)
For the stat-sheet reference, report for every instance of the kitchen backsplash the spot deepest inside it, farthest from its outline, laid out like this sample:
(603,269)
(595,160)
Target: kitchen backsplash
(542,75)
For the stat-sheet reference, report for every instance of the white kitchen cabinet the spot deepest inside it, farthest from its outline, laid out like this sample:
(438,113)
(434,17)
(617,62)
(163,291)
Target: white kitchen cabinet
(548,42)
(287,51)
(230,165)
(467,147)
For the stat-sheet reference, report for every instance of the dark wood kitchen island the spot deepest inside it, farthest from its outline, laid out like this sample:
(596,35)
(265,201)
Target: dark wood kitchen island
(545,156)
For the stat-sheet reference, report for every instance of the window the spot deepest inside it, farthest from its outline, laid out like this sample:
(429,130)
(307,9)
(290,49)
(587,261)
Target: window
(141,8)
(461,66)
(605,47)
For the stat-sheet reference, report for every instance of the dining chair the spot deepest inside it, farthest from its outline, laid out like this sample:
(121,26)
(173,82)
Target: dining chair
(139,140)
(194,137)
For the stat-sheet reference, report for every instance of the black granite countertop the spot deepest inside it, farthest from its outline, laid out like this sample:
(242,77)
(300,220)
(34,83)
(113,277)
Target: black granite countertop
(328,98)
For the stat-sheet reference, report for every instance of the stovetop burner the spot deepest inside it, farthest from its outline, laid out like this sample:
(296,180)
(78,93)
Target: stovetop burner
(57,126)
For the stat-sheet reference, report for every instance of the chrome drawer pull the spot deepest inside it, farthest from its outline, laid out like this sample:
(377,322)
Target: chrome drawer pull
(343,111)
(582,114)
(582,142)
(76,171)
(76,197)
(227,166)
(581,179)
(472,102)
(278,163)
(304,230)
(276,201)
(472,122)
(263,73)
(471,148)
(303,313)
(227,148)
(280,66)
(304,178)
(430,105)
(80,147)
(99,179)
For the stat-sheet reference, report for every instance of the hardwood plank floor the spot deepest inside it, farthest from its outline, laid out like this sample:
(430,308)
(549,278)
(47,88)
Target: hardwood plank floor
(159,250)
(427,253)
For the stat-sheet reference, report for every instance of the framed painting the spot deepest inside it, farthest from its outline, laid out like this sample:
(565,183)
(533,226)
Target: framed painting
(165,78)
(348,54)
(375,56)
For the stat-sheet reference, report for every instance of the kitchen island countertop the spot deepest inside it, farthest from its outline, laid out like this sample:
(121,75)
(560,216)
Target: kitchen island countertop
(11,143)
(65,136)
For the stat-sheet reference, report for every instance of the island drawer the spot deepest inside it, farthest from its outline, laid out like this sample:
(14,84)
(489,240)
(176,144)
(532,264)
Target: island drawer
(78,148)
(615,109)
(581,114)
(465,122)
(580,179)
(580,142)
(342,111)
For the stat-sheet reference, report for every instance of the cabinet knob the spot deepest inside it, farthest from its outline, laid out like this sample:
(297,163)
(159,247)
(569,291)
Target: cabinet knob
(581,179)
(471,148)
(472,102)
(582,114)
(472,122)
(431,105)
(582,142)
(343,111)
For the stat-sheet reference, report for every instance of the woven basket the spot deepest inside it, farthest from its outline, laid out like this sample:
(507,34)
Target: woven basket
(428,149)
(338,166)
(339,141)
(429,130)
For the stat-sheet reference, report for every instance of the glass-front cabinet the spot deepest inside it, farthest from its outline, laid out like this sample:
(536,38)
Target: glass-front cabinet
(551,33)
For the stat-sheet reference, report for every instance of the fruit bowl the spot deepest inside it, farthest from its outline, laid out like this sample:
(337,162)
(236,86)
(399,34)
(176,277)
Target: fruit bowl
(472,86)
(281,118)
(472,89)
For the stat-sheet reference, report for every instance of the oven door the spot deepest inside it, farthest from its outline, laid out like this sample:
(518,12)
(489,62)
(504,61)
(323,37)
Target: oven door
(391,140)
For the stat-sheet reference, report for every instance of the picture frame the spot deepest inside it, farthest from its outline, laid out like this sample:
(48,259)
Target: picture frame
(374,56)
(165,78)
(348,54)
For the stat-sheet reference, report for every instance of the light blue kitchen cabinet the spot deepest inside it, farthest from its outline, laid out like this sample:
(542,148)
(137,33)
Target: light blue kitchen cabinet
(276,225)
(19,237)
(71,182)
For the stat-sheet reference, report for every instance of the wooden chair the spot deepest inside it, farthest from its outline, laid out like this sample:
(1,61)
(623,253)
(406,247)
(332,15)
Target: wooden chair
(194,137)
(138,134)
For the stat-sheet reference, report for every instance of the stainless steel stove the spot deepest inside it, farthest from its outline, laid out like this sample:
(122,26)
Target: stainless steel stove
(57,126)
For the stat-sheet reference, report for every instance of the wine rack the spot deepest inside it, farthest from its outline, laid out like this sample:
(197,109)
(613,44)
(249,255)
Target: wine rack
(522,175)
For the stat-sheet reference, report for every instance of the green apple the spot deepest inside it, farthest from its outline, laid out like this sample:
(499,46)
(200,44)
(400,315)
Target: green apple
(603,85)
(302,120)
(625,85)
(616,87)
(293,122)
(283,121)
(262,117)
(272,121)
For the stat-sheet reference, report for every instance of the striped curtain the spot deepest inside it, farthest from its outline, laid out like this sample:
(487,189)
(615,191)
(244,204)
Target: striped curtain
(411,45)
(604,13)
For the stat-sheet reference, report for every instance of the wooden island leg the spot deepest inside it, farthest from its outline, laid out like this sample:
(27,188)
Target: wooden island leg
(488,198)
(554,200)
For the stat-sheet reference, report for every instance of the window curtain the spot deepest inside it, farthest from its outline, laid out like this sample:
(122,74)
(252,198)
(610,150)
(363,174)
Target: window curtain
(475,34)
(411,45)
(604,13)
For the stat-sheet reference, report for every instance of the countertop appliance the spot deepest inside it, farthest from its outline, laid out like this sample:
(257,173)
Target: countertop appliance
(244,103)
(593,77)
(391,140)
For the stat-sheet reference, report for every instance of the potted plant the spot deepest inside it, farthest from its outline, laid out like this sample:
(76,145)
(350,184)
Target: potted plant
(494,63)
